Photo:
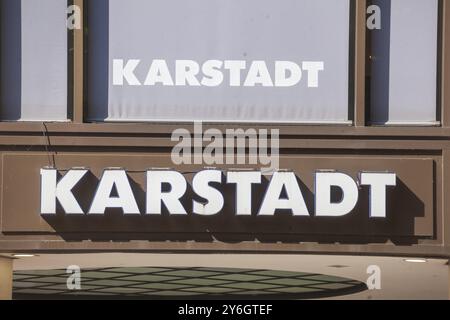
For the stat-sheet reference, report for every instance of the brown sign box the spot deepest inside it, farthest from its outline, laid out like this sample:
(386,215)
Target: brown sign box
(410,211)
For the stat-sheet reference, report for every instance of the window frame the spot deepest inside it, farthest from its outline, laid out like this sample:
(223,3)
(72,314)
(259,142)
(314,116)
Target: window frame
(358,115)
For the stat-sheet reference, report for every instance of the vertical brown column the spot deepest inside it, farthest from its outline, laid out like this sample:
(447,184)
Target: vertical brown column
(445,119)
(445,197)
(445,64)
(78,67)
(6,278)
(448,265)
(360,63)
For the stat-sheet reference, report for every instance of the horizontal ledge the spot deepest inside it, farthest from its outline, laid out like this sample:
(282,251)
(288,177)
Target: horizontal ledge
(334,142)
(237,122)
(426,251)
(407,123)
(166,128)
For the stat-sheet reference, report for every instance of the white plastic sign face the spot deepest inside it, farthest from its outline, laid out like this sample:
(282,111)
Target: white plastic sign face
(219,60)
(208,184)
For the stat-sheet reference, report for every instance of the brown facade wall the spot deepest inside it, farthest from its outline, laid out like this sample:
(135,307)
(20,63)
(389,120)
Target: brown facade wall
(421,154)
(419,162)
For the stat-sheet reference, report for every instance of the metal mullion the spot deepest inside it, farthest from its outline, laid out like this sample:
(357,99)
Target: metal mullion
(78,68)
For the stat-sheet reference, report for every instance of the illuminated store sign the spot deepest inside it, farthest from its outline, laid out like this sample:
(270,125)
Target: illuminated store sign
(166,187)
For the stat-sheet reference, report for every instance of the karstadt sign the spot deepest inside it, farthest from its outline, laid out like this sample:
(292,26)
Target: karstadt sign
(211,73)
(167,187)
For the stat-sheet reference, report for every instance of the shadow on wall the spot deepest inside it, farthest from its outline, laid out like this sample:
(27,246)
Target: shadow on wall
(380,65)
(356,227)
(184,283)
(98,63)
(11,59)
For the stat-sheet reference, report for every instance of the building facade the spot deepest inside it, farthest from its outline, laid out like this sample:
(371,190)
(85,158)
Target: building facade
(351,96)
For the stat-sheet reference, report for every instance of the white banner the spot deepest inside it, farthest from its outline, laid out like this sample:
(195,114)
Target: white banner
(219,60)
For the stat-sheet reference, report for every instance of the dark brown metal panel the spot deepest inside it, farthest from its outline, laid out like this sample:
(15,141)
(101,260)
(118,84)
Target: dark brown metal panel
(410,204)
